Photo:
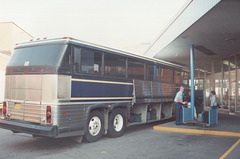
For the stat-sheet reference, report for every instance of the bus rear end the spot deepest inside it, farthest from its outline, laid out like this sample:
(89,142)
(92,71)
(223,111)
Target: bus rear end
(32,89)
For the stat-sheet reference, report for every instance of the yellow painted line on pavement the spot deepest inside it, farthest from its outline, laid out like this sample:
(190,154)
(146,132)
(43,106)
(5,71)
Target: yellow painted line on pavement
(229,150)
(195,131)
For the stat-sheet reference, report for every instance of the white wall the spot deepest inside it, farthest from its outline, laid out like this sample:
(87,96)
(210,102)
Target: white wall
(2,85)
(3,63)
(10,34)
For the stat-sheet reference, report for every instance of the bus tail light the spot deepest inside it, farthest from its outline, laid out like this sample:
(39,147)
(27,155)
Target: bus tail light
(4,109)
(49,114)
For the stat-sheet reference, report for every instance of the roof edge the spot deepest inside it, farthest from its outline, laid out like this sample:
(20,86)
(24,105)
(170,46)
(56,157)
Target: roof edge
(92,45)
(19,28)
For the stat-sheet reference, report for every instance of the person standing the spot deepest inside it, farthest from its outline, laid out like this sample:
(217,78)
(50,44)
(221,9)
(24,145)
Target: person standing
(213,99)
(178,105)
(189,103)
(189,96)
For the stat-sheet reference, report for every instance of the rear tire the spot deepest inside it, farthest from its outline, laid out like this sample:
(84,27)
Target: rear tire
(95,126)
(116,123)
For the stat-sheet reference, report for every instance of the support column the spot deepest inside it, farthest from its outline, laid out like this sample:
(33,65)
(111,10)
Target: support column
(192,79)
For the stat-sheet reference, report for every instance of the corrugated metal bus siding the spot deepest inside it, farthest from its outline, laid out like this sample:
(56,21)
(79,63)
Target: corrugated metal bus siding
(27,112)
(71,121)
(30,91)
(58,118)
(77,115)
(142,88)
(148,91)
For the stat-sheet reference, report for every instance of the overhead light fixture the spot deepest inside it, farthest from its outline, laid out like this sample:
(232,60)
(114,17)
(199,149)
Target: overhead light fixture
(229,39)
(225,62)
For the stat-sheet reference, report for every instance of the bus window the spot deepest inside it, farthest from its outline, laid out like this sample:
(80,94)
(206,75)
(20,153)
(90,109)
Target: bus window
(66,61)
(177,77)
(150,72)
(115,65)
(76,59)
(91,61)
(166,75)
(135,69)
(185,78)
(46,55)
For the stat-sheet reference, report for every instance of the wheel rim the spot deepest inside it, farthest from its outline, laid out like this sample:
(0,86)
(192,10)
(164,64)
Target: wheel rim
(118,122)
(94,126)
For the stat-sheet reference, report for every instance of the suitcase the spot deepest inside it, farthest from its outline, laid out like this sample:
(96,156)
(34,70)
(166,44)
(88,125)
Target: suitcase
(205,117)
(200,117)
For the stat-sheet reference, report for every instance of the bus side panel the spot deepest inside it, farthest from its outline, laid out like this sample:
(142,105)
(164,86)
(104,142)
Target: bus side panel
(153,92)
(90,89)
(71,114)
(71,119)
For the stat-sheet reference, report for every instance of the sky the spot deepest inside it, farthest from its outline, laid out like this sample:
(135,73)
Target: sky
(128,25)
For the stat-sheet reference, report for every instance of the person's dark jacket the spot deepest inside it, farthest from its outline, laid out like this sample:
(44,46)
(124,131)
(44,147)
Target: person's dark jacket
(188,98)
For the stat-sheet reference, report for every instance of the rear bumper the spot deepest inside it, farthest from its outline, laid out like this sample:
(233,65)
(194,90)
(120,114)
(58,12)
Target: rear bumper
(29,128)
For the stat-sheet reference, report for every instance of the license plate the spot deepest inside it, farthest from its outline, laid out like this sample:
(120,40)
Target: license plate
(18,106)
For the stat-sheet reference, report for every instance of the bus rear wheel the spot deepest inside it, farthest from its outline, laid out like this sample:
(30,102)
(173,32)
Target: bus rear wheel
(116,123)
(95,127)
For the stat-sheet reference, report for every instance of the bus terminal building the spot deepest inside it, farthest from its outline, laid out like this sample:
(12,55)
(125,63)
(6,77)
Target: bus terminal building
(213,29)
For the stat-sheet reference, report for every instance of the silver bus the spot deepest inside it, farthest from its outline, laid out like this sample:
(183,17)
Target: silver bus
(65,87)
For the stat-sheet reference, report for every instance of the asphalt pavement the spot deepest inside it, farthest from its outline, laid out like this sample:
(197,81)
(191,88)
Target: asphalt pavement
(138,142)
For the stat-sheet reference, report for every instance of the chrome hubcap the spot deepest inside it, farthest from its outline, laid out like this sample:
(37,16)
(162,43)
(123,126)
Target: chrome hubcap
(118,122)
(94,126)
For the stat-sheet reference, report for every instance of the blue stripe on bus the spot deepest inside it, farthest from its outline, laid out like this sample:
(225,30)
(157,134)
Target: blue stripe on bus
(91,89)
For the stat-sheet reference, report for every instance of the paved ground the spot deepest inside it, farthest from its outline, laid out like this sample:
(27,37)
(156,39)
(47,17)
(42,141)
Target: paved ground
(228,127)
(139,142)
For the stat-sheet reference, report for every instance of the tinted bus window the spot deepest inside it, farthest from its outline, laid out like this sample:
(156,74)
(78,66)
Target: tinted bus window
(115,65)
(150,72)
(66,61)
(166,75)
(177,77)
(185,78)
(135,69)
(77,59)
(91,61)
(46,55)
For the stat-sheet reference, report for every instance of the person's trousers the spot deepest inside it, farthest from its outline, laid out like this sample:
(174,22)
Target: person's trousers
(178,108)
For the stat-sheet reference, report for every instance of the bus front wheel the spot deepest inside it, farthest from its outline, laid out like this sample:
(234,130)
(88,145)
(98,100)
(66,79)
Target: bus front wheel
(95,127)
(116,123)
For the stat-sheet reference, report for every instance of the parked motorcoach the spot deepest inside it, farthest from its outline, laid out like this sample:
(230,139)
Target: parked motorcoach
(65,87)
